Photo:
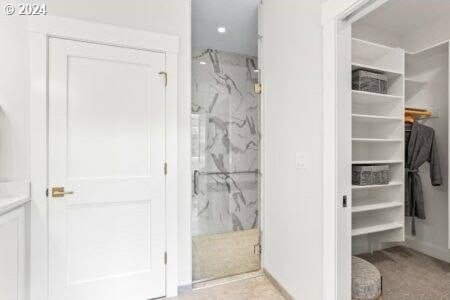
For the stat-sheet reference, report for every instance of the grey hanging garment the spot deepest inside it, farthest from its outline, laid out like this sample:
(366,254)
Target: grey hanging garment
(420,147)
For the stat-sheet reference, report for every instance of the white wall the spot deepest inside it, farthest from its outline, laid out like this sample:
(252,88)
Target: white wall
(169,17)
(432,234)
(292,45)
(417,40)
(432,67)
(14,105)
(427,36)
(372,34)
(292,67)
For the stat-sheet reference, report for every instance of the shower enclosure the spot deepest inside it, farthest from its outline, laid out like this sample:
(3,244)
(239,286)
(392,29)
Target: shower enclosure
(225,164)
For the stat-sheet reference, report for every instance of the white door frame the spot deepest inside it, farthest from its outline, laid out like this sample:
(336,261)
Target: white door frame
(262,122)
(41,29)
(336,18)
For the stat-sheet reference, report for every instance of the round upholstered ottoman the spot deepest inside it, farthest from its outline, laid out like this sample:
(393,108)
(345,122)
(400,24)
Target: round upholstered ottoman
(366,280)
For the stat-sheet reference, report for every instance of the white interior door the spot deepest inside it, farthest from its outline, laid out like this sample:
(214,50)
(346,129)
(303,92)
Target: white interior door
(107,145)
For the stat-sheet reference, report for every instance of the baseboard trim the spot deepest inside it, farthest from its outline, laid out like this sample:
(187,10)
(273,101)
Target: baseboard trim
(184,289)
(277,285)
(428,249)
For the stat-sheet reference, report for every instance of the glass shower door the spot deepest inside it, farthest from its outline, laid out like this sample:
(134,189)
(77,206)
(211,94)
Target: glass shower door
(225,164)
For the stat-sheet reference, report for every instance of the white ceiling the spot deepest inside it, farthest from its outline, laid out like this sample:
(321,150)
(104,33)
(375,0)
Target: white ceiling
(239,17)
(401,17)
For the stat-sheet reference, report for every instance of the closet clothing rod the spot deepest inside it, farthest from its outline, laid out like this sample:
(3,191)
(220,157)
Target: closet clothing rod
(420,119)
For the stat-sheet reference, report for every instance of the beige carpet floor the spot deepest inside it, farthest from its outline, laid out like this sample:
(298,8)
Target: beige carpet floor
(411,275)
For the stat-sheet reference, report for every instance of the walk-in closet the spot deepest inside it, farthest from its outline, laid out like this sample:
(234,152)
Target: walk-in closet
(399,117)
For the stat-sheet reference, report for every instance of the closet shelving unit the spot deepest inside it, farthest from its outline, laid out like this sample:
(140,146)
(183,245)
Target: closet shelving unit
(375,206)
(378,138)
(413,81)
(363,140)
(372,118)
(373,187)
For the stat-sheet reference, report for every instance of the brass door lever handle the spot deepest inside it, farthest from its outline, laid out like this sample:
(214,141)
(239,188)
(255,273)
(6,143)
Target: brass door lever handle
(59,192)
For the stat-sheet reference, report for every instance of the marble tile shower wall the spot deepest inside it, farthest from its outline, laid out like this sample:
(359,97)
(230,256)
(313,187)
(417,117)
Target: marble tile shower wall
(225,138)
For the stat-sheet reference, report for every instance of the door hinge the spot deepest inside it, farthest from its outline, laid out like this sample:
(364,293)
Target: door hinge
(165,168)
(257,249)
(344,201)
(164,74)
(165,258)
(46,192)
(257,88)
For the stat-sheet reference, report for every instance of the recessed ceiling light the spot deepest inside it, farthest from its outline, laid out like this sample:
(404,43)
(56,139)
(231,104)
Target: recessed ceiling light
(203,63)
(221,30)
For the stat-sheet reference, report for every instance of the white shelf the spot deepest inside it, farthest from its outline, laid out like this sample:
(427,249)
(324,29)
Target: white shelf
(413,107)
(376,56)
(377,138)
(365,140)
(376,228)
(377,186)
(386,71)
(413,81)
(375,118)
(373,98)
(375,206)
(369,50)
(377,162)
(412,86)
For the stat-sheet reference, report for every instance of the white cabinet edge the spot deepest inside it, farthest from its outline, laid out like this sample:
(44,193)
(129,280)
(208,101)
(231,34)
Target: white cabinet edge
(13,194)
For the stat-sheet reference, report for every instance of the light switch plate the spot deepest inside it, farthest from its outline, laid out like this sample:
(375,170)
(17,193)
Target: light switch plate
(301,161)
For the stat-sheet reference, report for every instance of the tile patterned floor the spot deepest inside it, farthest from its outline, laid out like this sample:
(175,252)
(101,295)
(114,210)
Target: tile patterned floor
(258,288)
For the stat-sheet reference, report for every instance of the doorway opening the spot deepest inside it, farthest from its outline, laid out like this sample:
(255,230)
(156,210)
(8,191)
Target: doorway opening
(398,215)
(225,136)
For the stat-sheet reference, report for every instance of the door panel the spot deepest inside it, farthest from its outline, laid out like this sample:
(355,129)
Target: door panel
(106,149)
(107,145)
(110,229)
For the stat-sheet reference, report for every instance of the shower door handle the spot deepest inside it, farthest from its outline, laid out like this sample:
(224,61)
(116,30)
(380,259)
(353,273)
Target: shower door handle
(196,182)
